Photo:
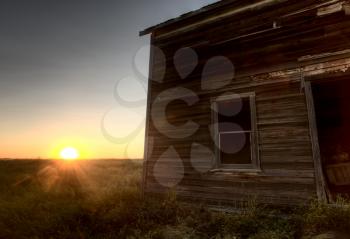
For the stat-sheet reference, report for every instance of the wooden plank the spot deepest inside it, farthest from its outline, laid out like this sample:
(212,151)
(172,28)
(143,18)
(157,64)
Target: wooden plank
(320,180)
(148,121)
(230,179)
(235,197)
(241,191)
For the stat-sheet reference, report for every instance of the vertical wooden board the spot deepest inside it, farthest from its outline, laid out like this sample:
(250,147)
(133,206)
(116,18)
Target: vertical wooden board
(320,179)
(148,109)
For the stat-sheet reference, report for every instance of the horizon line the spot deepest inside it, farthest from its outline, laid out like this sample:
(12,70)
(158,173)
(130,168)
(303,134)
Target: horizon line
(45,159)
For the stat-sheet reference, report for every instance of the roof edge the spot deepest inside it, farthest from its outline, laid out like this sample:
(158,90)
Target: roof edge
(187,15)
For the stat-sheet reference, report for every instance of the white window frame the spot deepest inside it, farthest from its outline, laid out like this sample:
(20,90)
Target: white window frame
(254,149)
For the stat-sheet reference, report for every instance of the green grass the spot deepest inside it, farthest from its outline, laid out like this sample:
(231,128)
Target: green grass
(102,199)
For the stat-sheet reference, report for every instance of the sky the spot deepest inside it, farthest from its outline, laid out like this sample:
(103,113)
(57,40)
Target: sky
(61,65)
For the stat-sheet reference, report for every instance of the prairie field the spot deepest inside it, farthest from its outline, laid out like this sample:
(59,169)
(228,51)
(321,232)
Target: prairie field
(102,199)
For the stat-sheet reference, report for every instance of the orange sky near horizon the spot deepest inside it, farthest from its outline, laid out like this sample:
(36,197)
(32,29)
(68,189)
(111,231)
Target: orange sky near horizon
(95,147)
(46,138)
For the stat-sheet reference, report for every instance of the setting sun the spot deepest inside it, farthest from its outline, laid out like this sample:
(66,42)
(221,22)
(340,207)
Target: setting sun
(69,153)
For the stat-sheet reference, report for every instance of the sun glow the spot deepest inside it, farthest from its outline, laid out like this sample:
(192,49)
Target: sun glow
(69,153)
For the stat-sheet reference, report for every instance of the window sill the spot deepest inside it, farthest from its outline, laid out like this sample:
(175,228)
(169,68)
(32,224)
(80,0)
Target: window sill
(236,170)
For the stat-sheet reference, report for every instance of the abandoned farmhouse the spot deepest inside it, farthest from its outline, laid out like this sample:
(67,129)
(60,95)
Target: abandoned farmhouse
(250,99)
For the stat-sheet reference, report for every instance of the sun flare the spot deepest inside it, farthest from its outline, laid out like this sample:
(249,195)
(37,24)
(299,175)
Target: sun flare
(69,153)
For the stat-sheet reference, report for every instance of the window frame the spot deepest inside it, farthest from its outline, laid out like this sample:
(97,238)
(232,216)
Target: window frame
(254,166)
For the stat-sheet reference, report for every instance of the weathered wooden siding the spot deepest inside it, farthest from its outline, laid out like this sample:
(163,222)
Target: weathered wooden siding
(267,63)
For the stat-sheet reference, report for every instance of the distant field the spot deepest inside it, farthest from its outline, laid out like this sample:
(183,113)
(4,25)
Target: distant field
(90,177)
(102,199)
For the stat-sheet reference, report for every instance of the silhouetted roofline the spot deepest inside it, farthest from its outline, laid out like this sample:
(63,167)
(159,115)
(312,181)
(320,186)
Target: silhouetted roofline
(204,10)
(186,16)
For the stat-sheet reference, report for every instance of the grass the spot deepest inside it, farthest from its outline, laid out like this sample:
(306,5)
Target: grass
(102,199)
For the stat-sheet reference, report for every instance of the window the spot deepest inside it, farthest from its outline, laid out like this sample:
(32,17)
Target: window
(235,131)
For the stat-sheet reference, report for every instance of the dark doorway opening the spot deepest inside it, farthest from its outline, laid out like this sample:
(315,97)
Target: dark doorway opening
(332,104)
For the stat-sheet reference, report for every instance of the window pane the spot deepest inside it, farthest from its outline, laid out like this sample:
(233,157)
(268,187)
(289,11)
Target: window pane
(235,111)
(234,129)
(235,148)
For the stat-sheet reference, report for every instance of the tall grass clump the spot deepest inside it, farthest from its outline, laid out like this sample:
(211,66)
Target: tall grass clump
(321,217)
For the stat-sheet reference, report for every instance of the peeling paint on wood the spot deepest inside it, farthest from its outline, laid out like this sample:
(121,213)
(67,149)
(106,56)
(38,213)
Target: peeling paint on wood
(337,7)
